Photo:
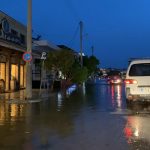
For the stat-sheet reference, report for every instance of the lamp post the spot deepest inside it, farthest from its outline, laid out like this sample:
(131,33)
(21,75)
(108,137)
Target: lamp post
(29,49)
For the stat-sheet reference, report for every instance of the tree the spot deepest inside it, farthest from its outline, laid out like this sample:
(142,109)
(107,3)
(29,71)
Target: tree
(91,63)
(70,66)
(60,61)
(78,74)
(65,61)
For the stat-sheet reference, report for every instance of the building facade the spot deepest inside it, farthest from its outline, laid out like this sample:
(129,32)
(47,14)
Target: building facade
(12,47)
(40,75)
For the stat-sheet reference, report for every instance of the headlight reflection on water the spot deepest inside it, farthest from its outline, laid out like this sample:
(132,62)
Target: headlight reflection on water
(116,95)
(62,95)
(59,101)
(136,133)
(136,129)
(71,89)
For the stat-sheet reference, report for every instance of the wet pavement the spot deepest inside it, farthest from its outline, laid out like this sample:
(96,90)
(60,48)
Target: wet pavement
(89,117)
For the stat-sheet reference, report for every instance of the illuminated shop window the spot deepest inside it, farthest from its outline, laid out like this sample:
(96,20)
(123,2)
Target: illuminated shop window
(21,76)
(2,71)
(14,72)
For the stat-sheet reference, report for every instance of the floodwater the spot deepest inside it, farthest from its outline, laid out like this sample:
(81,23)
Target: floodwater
(89,117)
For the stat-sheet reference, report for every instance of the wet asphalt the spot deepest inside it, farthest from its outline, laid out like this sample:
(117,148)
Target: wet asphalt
(93,116)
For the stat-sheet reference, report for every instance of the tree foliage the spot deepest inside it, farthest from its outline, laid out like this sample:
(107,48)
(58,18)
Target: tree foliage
(60,60)
(78,74)
(65,62)
(91,63)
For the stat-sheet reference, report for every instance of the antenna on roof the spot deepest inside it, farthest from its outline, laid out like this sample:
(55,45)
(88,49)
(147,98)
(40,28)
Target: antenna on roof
(37,38)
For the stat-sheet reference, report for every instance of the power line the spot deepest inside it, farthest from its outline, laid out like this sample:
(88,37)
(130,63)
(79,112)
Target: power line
(74,36)
(90,41)
(88,35)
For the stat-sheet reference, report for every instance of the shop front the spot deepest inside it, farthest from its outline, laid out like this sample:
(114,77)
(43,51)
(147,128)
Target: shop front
(12,47)
(12,70)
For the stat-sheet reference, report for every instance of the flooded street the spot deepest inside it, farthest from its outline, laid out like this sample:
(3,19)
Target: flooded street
(90,117)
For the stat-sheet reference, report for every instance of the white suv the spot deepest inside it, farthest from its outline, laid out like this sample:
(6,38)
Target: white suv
(137,82)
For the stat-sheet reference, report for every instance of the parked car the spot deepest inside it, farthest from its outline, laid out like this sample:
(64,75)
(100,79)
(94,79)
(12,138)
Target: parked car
(114,79)
(137,82)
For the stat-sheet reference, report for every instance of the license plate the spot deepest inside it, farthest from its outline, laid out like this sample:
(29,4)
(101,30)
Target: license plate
(144,90)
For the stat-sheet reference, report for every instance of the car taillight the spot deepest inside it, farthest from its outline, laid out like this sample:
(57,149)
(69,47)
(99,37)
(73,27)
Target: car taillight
(118,80)
(130,81)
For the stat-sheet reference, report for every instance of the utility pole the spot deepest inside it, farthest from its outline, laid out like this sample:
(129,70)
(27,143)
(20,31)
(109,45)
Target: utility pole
(81,45)
(92,50)
(29,49)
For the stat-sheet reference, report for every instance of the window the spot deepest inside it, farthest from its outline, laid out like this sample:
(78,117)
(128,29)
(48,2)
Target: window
(22,39)
(2,71)
(14,72)
(14,32)
(37,63)
(140,70)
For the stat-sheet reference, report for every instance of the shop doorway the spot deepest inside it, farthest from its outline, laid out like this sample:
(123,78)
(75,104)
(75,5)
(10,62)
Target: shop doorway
(3,71)
(21,76)
(2,77)
(14,77)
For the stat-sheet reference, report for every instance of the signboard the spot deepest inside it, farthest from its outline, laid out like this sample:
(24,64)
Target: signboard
(5,25)
(2,58)
(6,33)
(27,57)
(44,55)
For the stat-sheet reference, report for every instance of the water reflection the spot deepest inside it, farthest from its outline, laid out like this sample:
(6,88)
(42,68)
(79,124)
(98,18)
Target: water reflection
(137,132)
(10,112)
(27,125)
(137,126)
(131,129)
(139,108)
(64,94)
(59,100)
(116,93)
(104,97)
(70,89)
(79,114)
(13,95)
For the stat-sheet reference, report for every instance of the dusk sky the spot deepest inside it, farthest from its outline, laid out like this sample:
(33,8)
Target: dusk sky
(118,29)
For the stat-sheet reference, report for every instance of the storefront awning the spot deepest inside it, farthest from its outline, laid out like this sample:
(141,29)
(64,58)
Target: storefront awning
(12,46)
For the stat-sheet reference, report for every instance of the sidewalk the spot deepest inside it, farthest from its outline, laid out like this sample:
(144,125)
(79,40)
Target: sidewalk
(20,97)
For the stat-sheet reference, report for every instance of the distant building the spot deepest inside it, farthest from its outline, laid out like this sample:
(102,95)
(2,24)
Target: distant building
(76,54)
(42,47)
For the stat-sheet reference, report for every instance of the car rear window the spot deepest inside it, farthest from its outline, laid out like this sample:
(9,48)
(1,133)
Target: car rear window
(140,70)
